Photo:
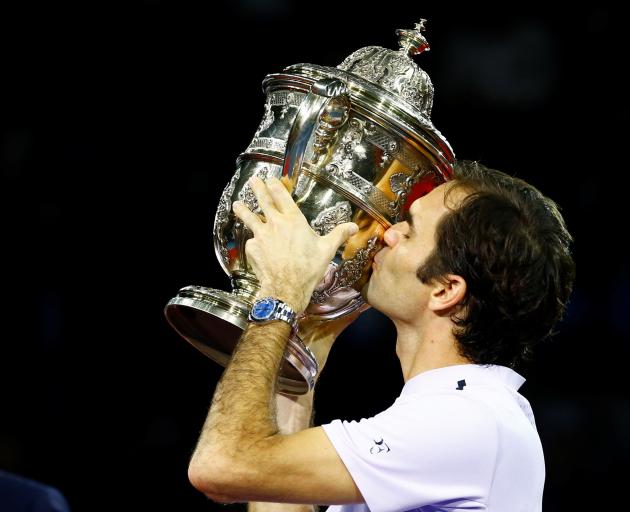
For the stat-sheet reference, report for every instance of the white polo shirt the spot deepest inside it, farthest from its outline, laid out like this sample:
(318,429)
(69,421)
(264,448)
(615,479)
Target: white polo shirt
(458,438)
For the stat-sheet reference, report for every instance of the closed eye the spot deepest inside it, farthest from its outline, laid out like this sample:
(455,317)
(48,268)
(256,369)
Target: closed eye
(409,220)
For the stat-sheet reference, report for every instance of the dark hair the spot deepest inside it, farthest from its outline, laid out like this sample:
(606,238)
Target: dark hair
(511,245)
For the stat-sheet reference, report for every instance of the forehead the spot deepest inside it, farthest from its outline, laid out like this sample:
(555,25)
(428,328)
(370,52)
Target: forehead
(432,203)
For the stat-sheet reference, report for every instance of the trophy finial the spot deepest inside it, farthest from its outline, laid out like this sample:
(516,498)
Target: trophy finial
(412,42)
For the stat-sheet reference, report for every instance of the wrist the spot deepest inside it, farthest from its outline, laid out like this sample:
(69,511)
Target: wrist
(296,301)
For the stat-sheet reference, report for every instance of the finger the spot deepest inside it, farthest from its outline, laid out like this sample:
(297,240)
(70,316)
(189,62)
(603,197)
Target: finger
(288,183)
(265,202)
(249,218)
(281,196)
(341,233)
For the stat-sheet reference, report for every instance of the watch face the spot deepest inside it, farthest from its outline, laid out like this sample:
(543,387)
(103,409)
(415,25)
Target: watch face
(263,309)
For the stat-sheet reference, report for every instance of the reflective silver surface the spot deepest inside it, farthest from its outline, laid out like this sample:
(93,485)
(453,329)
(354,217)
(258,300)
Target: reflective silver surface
(357,144)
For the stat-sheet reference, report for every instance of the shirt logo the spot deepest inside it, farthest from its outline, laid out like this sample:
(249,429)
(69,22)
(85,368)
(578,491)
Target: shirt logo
(460,385)
(379,446)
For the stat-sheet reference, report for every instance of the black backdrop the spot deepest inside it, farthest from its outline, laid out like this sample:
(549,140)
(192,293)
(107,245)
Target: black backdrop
(121,126)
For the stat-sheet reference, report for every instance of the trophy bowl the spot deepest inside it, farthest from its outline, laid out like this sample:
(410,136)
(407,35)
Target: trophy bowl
(356,144)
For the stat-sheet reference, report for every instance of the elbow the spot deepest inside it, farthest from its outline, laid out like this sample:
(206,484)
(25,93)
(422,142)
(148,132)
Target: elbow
(198,477)
(214,478)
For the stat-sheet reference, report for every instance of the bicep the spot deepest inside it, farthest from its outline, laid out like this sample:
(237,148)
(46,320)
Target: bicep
(298,468)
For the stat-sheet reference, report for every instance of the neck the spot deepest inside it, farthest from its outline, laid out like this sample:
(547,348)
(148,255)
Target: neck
(422,349)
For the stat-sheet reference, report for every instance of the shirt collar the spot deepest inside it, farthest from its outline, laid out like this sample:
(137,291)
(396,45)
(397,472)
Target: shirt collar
(438,377)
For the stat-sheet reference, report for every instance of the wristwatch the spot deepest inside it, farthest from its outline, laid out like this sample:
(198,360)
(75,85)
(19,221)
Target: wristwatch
(269,309)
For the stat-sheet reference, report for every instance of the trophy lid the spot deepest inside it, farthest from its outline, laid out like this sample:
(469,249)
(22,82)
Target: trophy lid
(387,86)
(395,71)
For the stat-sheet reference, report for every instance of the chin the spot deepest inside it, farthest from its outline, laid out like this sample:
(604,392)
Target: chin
(367,292)
(364,291)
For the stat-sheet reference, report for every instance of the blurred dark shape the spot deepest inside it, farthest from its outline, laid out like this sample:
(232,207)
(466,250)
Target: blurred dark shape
(19,494)
(14,151)
(578,438)
(11,451)
(162,432)
(370,330)
(620,303)
(263,8)
(51,319)
(577,309)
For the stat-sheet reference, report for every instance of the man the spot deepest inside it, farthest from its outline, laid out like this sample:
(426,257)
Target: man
(478,273)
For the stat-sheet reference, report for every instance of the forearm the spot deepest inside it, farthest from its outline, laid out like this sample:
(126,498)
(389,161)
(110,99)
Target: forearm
(280,507)
(294,413)
(243,408)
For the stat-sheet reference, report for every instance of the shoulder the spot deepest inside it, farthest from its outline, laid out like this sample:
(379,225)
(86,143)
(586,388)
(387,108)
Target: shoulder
(443,410)
(425,425)
(424,449)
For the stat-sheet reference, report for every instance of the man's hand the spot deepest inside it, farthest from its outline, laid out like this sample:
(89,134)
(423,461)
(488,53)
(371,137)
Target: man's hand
(287,256)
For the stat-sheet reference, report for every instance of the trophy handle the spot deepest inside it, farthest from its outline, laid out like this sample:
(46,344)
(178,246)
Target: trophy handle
(324,110)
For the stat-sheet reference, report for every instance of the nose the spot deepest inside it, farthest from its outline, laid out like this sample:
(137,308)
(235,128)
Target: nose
(393,234)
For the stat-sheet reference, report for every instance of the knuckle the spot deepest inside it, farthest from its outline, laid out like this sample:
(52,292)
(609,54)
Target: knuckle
(250,245)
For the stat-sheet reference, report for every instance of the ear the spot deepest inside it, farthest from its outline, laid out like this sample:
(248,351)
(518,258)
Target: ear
(447,293)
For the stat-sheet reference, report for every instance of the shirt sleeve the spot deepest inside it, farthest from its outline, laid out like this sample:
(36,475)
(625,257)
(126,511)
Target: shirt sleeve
(423,450)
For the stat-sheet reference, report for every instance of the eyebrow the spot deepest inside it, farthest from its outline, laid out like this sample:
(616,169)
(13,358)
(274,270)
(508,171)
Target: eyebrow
(409,219)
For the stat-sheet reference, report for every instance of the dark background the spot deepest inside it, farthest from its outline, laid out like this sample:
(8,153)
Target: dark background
(120,126)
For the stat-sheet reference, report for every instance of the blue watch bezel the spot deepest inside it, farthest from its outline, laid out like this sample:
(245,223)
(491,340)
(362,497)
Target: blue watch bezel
(270,305)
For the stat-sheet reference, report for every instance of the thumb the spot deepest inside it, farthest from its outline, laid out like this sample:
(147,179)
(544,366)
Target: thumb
(341,233)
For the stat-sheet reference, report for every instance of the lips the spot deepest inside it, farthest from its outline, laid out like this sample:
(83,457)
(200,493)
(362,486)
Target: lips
(376,261)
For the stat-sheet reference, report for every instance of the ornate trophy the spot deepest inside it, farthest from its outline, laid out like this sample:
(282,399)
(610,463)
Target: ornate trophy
(357,144)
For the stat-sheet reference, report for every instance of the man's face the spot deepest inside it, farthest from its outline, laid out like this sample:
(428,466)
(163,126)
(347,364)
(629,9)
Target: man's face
(394,288)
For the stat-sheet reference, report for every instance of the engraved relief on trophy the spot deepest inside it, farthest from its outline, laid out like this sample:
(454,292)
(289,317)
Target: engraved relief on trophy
(343,282)
(281,108)
(351,270)
(398,182)
(349,149)
(267,120)
(331,217)
(221,219)
(389,152)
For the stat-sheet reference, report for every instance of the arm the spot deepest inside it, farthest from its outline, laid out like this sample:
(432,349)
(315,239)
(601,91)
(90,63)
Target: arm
(295,413)
(242,455)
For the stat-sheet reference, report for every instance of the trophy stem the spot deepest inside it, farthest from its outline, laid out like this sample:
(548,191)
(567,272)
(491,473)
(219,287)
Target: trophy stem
(245,286)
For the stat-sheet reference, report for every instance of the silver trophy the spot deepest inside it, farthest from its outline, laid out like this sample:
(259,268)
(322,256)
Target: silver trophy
(356,143)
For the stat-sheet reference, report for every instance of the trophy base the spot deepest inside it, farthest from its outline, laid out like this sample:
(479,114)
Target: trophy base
(213,320)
